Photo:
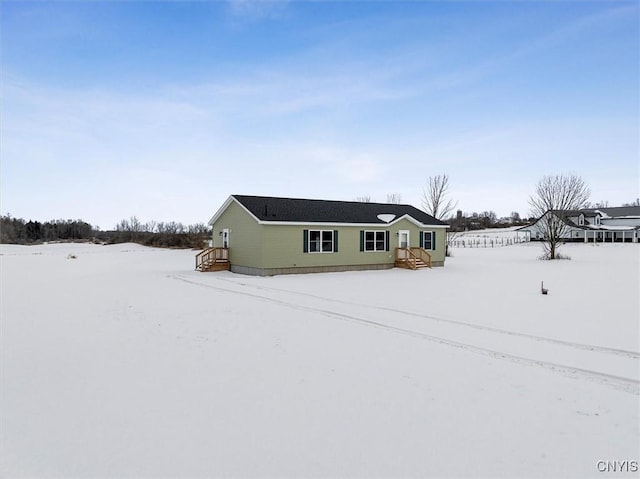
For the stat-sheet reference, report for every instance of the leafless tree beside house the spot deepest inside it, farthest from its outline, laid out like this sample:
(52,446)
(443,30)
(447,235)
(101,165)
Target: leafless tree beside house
(437,203)
(435,197)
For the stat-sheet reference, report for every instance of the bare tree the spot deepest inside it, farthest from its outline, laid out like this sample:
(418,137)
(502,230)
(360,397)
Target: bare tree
(394,198)
(363,199)
(435,198)
(555,196)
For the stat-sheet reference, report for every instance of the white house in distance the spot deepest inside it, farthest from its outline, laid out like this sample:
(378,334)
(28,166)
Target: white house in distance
(619,224)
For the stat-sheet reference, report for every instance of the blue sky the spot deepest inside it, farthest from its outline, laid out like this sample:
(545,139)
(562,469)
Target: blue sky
(163,109)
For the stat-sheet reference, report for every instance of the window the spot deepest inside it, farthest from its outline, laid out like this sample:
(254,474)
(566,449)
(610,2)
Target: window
(581,219)
(597,220)
(375,241)
(428,240)
(320,241)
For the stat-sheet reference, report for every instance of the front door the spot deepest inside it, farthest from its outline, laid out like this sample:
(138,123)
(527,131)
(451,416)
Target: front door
(403,238)
(225,238)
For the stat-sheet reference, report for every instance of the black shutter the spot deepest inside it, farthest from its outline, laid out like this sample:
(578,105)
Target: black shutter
(305,241)
(433,240)
(386,241)
(361,240)
(421,239)
(335,241)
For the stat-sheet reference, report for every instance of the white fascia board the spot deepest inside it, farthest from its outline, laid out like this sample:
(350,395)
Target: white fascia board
(223,208)
(616,228)
(368,225)
(417,223)
(608,228)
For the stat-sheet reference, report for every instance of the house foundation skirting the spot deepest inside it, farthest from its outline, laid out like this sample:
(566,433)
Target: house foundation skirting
(306,269)
(314,269)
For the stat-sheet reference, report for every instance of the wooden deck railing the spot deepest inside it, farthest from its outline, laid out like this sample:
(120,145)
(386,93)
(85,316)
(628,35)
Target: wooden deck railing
(412,257)
(207,259)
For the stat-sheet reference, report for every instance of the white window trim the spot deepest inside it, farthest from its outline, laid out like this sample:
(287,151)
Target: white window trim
(321,234)
(375,241)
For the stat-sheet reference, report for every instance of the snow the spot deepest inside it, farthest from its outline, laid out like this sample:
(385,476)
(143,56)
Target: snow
(124,362)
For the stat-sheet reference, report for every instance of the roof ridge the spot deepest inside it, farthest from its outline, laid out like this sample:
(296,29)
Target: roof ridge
(323,200)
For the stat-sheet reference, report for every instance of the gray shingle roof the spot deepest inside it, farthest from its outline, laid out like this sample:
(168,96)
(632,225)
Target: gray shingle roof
(617,211)
(267,208)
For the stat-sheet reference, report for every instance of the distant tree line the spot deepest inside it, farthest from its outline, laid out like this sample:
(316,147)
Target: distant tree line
(19,231)
(486,219)
(162,234)
(159,234)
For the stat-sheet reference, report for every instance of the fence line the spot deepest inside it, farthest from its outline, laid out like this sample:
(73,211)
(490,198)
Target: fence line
(487,242)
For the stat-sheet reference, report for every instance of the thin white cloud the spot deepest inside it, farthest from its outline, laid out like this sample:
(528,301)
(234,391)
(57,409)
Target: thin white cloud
(354,167)
(543,44)
(257,10)
(285,90)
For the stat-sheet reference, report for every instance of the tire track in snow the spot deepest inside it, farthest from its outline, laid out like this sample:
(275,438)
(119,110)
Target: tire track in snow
(581,346)
(629,385)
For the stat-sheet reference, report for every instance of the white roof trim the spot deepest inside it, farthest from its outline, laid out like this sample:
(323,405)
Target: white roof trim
(610,227)
(369,225)
(319,223)
(224,207)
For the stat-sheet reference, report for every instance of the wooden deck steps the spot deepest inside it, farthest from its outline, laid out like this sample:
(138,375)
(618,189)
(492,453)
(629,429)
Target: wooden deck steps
(412,258)
(208,267)
(213,259)
(412,264)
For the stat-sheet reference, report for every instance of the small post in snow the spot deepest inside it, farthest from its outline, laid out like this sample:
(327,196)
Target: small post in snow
(543,290)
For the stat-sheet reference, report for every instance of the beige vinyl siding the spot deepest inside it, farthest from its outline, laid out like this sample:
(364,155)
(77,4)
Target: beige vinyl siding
(283,248)
(441,242)
(245,236)
(283,245)
(437,255)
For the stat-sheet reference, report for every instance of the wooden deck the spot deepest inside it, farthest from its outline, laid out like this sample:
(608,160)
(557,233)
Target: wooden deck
(412,258)
(213,259)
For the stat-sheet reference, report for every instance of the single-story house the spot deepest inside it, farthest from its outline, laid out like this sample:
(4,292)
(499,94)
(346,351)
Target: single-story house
(262,235)
(618,224)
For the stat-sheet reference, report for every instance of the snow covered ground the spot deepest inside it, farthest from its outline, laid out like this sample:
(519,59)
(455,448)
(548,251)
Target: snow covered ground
(124,362)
